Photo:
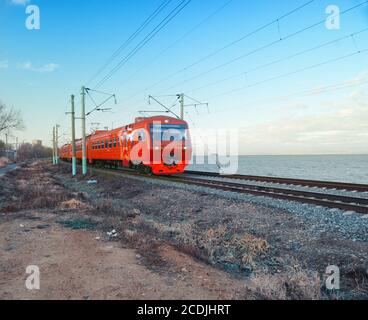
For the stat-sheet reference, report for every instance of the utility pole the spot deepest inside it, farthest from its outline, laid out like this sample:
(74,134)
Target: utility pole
(74,158)
(83,118)
(53,146)
(57,144)
(181,101)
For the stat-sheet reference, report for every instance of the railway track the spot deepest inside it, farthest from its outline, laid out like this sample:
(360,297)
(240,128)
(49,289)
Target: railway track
(359,205)
(286,181)
(346,203)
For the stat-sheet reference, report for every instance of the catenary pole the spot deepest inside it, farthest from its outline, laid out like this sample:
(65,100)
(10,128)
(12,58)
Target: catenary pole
(53,146)
(57,144)
(74,159)
(83,118)
(181,106)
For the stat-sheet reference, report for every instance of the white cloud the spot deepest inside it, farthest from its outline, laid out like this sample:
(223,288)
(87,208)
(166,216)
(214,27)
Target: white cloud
(50,67)
(20,2)
(340,127)
(4,64)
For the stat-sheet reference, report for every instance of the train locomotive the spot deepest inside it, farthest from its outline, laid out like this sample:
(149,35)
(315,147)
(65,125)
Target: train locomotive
(158,145)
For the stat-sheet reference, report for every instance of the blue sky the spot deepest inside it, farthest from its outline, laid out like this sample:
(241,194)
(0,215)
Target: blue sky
(39,69)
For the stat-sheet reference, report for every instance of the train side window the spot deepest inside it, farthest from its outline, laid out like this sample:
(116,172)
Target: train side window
(114,142)
(106,144)
(110,144)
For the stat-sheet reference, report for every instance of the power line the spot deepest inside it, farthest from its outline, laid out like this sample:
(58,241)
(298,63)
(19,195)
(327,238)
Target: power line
(156,30)
(228,45)
(280,60)
(149,37)
(268,45)
(217,11)
(149,19)
(292,73)
(339,86)
(309,92)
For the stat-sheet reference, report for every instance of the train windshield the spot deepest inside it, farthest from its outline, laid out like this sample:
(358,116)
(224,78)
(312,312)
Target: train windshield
(168,132)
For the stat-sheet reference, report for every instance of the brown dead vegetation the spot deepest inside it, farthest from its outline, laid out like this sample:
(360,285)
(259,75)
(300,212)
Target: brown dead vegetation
(32,188)
(295,284)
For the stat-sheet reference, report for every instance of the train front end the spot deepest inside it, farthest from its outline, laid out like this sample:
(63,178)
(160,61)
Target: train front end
(171,149)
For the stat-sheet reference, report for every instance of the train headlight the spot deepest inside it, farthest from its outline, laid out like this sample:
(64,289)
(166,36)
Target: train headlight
(157,148)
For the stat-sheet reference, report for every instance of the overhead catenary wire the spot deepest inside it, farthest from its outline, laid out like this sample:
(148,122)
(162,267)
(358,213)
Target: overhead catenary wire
(213,14)
(308,92)
(287,58)
(133,36)
(148,38)
(247,35)
(291,73)
(266,46)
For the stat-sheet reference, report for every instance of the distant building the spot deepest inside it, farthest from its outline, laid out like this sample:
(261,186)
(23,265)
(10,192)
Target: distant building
(37,142)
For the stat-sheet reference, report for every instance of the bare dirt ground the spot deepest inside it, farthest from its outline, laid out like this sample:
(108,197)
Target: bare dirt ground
(168,243)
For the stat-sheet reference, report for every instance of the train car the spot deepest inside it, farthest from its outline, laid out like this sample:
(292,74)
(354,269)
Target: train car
(160,145)
(66,152)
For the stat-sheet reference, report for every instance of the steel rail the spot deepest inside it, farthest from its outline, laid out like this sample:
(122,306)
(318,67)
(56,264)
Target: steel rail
(301,182)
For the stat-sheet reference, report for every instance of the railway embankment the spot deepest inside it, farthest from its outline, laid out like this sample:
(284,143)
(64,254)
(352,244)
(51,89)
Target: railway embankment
(143,239)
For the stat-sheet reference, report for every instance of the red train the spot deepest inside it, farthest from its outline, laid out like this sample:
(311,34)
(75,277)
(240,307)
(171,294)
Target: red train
(160,145)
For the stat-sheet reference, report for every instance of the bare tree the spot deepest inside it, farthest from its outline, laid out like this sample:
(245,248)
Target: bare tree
(10,119)
(27,151)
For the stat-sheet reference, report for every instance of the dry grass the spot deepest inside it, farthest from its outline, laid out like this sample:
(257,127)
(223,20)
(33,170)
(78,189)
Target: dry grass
(295,284)
(105,207)
(74,204)
(32,188)
(138,234)
(215,245)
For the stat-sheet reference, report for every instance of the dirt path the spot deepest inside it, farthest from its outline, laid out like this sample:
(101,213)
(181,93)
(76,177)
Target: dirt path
(74,265)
